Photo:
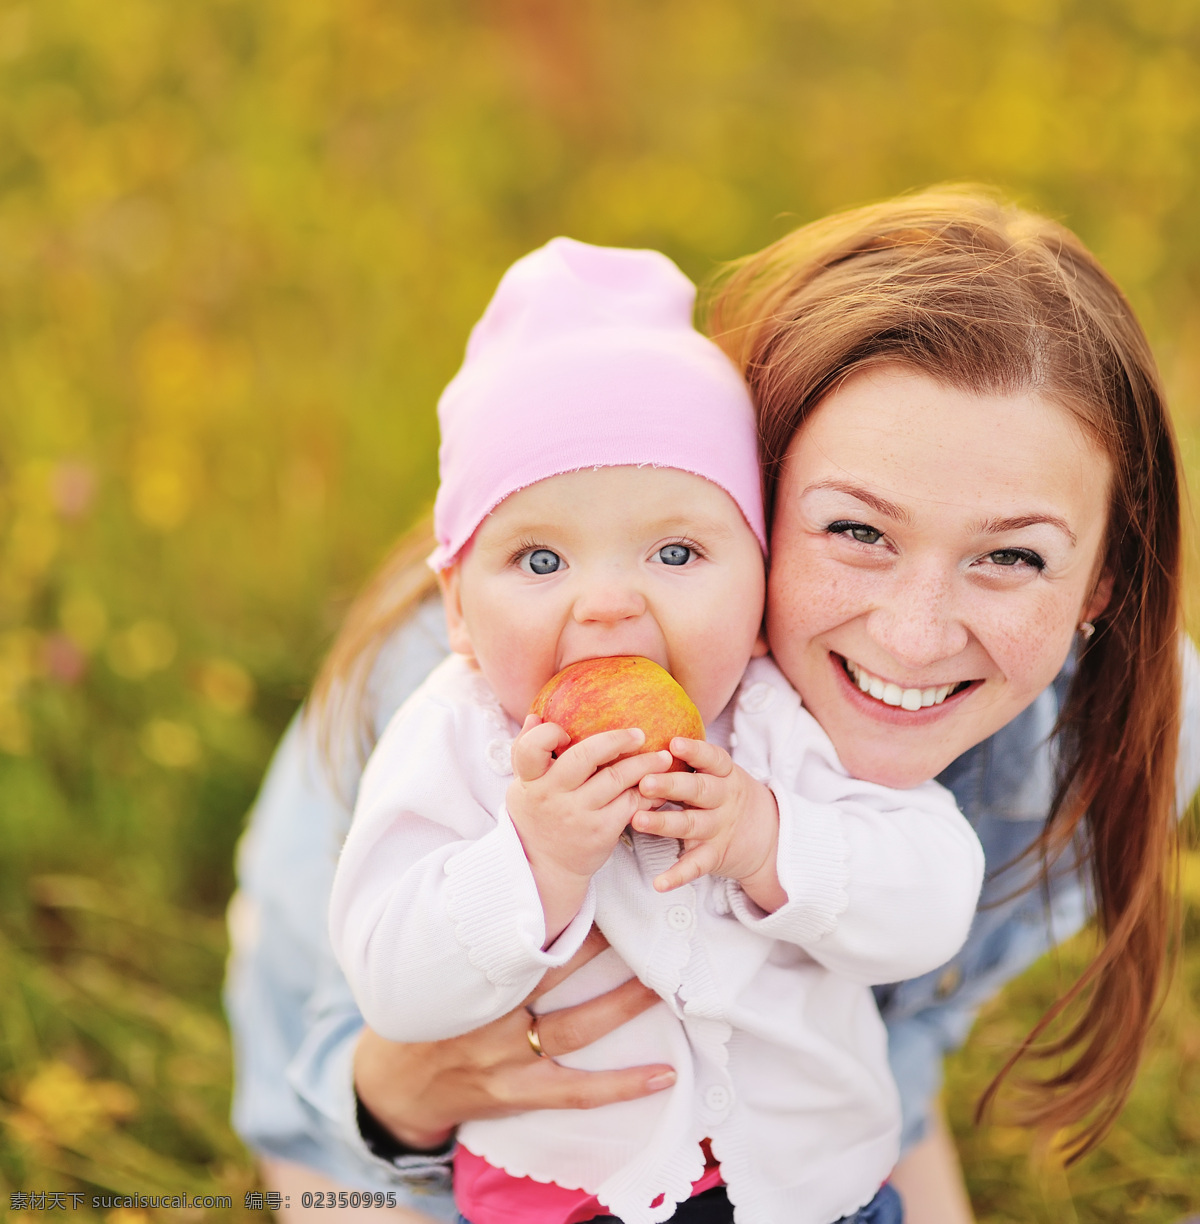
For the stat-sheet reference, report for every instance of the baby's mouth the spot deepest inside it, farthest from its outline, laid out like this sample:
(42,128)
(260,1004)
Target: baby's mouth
(893,695)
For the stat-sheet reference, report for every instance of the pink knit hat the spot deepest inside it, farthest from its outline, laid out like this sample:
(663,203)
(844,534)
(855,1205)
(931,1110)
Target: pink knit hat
(586,357)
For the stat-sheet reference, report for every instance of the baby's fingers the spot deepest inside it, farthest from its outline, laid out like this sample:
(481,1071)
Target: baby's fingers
(686,825)
(703,756)
(624,775)
(575,766)
(700,790)
(533,750)
(700,861)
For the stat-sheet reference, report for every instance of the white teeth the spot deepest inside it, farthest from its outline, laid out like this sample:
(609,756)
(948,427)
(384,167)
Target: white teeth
(892,694)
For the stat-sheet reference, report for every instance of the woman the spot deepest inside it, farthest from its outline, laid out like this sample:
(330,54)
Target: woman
(969,467)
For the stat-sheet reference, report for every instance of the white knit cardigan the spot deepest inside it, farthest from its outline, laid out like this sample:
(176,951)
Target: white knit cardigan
(768,1019)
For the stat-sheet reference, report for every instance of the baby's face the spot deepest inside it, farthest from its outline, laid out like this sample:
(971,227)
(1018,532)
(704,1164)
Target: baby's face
(611,561)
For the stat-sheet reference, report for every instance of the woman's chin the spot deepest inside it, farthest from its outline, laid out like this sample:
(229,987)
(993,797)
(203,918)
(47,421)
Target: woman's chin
(892,746)
(900,775)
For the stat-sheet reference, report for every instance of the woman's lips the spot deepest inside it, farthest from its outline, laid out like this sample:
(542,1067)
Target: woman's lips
(885,696)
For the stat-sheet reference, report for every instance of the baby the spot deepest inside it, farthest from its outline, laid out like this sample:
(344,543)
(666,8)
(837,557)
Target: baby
(600,496)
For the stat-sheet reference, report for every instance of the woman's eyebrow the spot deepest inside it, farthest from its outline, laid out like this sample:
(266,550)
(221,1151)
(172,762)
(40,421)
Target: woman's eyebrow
(877,503)
(995,526)
(991,526)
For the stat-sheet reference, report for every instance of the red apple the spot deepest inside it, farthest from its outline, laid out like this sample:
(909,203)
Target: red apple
(596,695)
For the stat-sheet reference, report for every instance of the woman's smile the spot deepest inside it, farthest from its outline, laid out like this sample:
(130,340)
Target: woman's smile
(891,694)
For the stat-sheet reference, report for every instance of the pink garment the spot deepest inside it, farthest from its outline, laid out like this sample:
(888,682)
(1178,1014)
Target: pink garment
(586,357)
(487,1195)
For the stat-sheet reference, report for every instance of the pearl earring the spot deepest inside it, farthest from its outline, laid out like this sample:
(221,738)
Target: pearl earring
(1087,629)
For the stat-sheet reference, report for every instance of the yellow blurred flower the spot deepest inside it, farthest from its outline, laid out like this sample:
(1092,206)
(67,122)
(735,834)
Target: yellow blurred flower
(172,744)
(227,685)
(171,369)
(161,496)
(164,478)
(67,1107)
(147,646)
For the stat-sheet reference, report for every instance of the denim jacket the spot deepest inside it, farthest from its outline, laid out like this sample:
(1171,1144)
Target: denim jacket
(295,1024)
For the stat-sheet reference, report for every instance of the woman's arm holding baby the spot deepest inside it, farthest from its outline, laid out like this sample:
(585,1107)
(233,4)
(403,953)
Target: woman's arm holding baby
(421,1092)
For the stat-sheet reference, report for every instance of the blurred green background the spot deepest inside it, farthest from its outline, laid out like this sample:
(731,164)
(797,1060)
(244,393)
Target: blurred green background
(241,243)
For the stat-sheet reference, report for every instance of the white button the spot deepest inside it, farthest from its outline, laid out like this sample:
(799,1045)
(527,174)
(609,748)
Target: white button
(499,756)
(679,917)
(718,898)
(756,698)
(717,1098)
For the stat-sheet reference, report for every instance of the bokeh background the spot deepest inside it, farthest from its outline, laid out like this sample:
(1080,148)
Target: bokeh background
(241,243)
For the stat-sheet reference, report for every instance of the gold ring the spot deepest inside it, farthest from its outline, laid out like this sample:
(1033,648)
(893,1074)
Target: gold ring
(531,1035)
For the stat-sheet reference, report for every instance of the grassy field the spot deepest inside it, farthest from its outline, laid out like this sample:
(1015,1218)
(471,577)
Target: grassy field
(240,247)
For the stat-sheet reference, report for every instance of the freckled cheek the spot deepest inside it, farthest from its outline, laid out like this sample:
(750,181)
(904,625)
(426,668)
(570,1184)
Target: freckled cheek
(814,597)
(1029,644)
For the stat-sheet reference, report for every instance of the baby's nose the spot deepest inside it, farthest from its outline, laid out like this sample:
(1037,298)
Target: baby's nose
(609,602)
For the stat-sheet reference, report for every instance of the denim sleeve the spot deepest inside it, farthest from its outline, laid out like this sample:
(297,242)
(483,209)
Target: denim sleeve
(1004,786)
(293,1021)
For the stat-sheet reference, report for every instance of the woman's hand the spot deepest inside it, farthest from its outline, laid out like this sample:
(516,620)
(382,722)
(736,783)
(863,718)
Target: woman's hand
(729,823)
(421,1092)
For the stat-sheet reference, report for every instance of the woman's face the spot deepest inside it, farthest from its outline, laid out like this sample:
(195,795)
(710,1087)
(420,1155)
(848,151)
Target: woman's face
(933,554)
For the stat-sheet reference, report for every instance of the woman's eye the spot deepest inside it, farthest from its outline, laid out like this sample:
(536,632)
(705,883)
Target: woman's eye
(856,531)
(1016,556)
(542,561)
(674,554)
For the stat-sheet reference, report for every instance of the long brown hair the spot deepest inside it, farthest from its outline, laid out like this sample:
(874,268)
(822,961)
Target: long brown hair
(986,297)
(338,705)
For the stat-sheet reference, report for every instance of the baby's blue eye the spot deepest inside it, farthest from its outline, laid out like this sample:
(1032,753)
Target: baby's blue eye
(674,554)
(543,561)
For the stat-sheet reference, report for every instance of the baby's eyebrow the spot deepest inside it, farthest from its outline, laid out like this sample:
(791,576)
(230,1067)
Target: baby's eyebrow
(694,525)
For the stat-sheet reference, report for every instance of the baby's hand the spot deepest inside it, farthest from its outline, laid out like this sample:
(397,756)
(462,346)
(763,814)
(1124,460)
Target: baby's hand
(571,811)
(729,823)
